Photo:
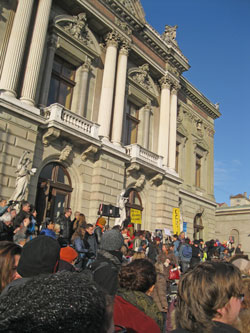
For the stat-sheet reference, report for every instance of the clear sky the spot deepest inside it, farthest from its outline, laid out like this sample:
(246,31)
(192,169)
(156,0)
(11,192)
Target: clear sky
(215,37)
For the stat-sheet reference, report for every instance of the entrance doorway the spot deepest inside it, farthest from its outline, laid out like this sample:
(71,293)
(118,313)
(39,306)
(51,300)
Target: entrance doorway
(198,227)
(134,202)
(53,192)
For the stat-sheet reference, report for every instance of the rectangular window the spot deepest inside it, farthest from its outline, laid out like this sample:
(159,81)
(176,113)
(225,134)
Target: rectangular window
(132,122)
(198,171)
(62,83)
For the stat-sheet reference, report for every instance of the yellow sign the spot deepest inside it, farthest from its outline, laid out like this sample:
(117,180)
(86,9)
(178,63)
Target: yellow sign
(176,221)
(135,216)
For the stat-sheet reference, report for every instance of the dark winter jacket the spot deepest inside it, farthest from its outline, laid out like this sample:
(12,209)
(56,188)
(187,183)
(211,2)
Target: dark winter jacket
(19,218)
(91,239)
(65,227)
(6,232)
(106,268)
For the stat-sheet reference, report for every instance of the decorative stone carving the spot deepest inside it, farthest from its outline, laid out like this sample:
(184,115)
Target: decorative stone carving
(112,38)
(65,153)
(165,81)
(88,152)
(78,28)
(134,167)
(125,46)
(121,203)
(169,34)
(156,180)
(50,135)
(140,182)
(123,26)
(23,172)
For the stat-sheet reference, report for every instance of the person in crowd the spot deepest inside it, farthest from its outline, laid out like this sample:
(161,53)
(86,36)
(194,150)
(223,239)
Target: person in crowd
(196,256)
(238,250)
(4,206)
(39,256)
(99,229)
(80,221)
(153,248)
(81,246)
(91,239)
(136,283)
(137,240)
(243,324)
(65,226)
(31,230)
(57,229)
(24,213)
(138,254)
(9,258)
(68,258)
(209,298)
(61,302)
(48,229)
(176,242)
(106,267)
(185,255)
(20,238)
(21,231)
(76,217)
(6,227)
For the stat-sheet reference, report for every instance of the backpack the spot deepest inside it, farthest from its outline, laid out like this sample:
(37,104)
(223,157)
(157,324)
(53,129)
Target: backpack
(187,252)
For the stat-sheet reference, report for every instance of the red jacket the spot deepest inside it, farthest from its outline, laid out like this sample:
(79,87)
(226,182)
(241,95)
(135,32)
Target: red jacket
(135,321)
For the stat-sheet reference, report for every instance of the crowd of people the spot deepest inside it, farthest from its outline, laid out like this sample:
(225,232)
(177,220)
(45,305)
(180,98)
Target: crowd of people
(71,275)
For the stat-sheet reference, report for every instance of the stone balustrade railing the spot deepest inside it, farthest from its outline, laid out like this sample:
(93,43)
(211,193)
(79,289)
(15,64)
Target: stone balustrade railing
(136,151)
(57,113)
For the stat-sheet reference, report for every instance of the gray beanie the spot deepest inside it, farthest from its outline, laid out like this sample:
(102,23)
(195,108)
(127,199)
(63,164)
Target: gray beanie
(111,240)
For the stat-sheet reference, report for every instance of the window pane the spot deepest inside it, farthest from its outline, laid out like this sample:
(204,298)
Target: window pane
(57,66)
(133,135)
(53,90)
(133,111)
(65,94)
(47,172)
(68,72)
(62,177)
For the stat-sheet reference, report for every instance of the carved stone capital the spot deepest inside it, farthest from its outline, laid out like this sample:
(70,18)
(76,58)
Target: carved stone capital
(156,180)
(125,47)
(89,152)
(165,82)
(86,65)
(134,167)
(112,38)
(50,135)
(175,87)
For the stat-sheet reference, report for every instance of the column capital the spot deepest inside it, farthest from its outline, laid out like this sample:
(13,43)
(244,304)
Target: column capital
(53,42)
(112,38)
(165,82)
(175,87)
(125,47)
(86,65)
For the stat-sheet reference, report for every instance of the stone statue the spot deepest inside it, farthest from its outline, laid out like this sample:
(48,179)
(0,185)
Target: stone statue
(170,33)
(122,208)
(22,179)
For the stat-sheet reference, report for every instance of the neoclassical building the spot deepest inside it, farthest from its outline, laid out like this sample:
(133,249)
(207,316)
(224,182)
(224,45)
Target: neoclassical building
(98,98)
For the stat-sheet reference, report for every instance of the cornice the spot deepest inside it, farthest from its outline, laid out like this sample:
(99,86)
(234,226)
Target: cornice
(198,98)
(197,197)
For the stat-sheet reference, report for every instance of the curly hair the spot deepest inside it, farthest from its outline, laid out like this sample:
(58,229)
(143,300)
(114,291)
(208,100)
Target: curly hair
(8,250)
(204,290)
(138,275)
(61,302)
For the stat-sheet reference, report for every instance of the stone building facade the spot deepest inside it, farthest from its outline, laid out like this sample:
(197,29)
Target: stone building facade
(98,98)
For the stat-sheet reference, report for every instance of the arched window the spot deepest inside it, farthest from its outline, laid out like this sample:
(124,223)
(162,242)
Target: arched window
(234,236)
(198,227)
(53,192)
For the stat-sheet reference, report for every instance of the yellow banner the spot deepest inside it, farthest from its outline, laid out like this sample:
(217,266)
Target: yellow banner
(135,216)
(176,221)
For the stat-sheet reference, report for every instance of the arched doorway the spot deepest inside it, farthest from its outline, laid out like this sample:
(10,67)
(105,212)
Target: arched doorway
(198,227)
(133,205)
(53,192)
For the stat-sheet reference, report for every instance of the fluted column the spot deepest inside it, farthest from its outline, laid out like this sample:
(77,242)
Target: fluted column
(108,82)
(83,85)
(52,46)
(14,55)
(36,52)
(173,127)
(163,138)
(120,94)
(147,112)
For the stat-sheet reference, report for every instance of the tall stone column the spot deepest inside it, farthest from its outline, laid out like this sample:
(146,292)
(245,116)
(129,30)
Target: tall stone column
(52,46)
(108,82)
(120,94)
(173,127)
(83,85)
(147,112)
(14,55)
(163,138)
(36,52)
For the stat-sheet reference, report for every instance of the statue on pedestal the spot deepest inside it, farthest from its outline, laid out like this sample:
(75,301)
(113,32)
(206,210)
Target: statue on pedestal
(23,172)
(122,208)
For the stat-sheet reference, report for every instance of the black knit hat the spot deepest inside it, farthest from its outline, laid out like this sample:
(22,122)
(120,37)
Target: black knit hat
(39,256)
(111,240)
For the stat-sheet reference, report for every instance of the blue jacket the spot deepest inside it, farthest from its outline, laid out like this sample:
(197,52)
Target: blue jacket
(48,232)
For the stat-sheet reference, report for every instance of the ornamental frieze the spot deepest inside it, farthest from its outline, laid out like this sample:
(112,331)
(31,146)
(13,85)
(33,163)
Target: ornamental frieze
(140,75)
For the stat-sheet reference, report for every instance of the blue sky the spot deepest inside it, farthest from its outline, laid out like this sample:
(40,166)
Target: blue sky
(215,36)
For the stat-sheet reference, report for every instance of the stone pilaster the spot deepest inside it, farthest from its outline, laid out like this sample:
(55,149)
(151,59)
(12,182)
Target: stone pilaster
(163,138)
(52,46)
(83,85)
(173,127)
(120,93)
(16,47)
(147,112)
(108,82)
(36,52)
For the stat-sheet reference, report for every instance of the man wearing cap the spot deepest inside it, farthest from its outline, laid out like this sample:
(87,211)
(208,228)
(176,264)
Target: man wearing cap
(39,256)
(108,262)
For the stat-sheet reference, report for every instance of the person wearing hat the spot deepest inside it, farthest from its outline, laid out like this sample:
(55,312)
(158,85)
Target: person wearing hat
(39,256)
(99,229)
(106,267)
(68,257)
